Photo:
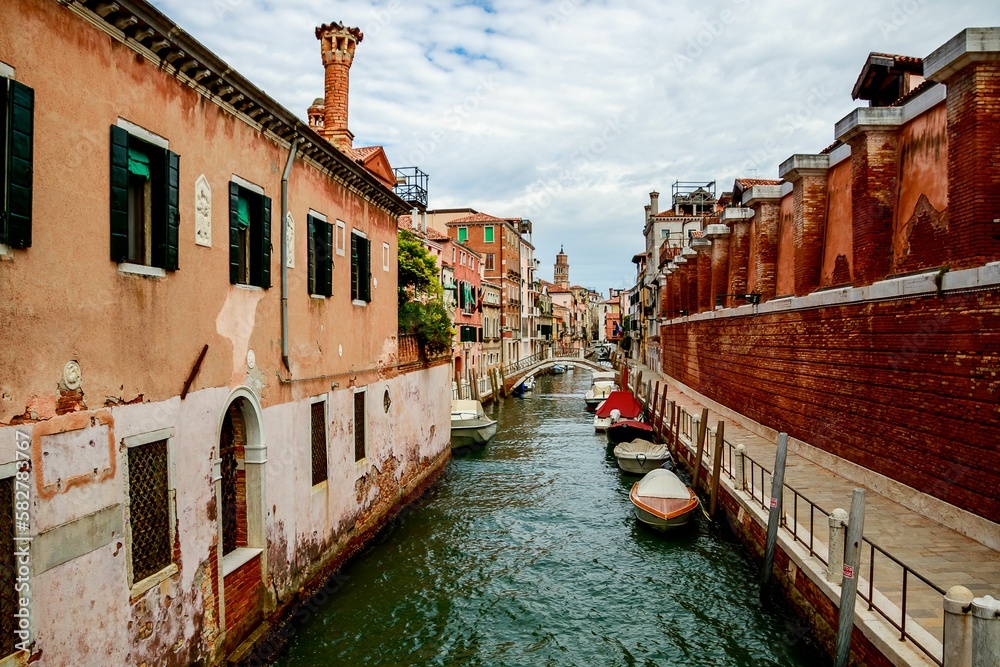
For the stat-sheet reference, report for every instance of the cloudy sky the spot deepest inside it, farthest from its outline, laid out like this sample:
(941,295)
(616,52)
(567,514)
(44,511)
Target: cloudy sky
(568,112)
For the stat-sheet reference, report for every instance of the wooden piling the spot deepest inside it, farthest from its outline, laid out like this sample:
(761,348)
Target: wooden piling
(663,410)
(774,517)
(849,582)
(702,434)
(652,408)
(670,433)
(720,435)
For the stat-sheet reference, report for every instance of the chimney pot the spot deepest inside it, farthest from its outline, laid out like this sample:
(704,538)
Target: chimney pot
(337,45)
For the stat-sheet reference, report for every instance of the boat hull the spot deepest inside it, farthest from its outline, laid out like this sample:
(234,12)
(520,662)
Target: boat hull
(472,435)
(627,432)
(663,514)
(640,465)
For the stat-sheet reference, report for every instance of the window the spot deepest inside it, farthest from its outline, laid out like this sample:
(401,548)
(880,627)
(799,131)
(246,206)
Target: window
(361,275)
(463,234)
(249,235)
(461,257)
(145,219)
(359,426)
(386,256)
(17,129)
(664,233)
(487,234)
(341,240)
(148,506)
(232,452)
(319,464)
(9,602)
(320,255)
(490,261)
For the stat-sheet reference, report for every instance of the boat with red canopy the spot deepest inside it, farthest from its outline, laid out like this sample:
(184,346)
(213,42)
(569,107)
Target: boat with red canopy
(624,406)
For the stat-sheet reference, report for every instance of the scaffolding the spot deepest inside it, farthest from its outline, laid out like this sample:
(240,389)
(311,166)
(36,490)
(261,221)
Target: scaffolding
(693,197)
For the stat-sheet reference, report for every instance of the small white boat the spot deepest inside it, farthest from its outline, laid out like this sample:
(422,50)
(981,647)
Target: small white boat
(662,501)
(529,383)
(470,427)
(641,456)
(603,385)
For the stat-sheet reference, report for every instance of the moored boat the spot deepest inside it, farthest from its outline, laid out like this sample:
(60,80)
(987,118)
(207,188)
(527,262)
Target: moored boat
(662,501)
(626,430)
(623,403)
(470,427)
(603,385)
(641,456)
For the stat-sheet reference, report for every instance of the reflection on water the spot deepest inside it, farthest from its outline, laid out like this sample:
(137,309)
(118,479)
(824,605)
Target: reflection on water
(527,553)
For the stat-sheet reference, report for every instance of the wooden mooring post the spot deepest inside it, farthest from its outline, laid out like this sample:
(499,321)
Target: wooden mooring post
(652,408)
(663,408)
(700,451)
(720,439)
(777,502)
(849,582)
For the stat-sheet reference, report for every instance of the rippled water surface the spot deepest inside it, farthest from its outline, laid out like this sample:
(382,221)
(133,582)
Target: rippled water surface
(527,553)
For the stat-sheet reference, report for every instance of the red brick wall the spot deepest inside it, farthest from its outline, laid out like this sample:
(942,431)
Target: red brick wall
(874,185)
(906,388)
(809,218)
(243,601)
(739,257)
(973,109)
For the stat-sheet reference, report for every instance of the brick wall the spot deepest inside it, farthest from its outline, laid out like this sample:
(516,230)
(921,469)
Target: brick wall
(907,388)
(244,604)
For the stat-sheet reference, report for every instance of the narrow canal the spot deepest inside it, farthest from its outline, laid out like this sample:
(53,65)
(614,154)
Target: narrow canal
(527,553)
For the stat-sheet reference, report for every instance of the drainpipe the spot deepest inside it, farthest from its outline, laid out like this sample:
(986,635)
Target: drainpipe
(284,253)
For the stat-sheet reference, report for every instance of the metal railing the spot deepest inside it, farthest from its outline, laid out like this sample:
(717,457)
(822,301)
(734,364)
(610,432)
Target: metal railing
(756,482)
(869,597)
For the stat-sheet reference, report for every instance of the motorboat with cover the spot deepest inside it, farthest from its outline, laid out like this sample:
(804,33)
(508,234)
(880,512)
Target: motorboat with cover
(603,385)
(641,456)
(662,501)
(623,403)
(470,427)
(626,430)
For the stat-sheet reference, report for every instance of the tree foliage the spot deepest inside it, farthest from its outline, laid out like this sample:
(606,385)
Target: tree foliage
(421,309)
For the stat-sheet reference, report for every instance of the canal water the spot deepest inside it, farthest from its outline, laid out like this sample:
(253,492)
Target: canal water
(527,553)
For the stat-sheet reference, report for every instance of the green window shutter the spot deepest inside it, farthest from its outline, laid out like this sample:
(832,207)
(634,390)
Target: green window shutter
(488,234)
(234,233)
(119,194)
(366,275)
(313,273)
(19,168)
(327,264)
(355,268)
(463,234)
(173,168)
(265,244)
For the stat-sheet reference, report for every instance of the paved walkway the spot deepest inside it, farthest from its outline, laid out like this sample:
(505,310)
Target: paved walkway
(942,555)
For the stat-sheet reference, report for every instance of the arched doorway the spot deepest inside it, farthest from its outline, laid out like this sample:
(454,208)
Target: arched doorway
(239,489)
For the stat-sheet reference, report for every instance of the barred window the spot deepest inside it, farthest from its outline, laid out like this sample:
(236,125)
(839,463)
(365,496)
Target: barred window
(232,445)
(359,426)
(149,508)
(8,567)
(319,464)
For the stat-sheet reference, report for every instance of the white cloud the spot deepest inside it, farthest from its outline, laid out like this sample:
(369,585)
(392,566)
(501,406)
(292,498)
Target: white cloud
(570,111)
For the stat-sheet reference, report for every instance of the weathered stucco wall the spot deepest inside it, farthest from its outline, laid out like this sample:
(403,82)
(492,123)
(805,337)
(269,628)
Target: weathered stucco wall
(137,336)
(838,246)
(786,248)
(920,223)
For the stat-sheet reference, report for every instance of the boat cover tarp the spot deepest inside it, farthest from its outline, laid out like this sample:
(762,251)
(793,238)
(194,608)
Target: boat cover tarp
(605,377)
(467,409)
(622,401)
(662,483)
(641,447)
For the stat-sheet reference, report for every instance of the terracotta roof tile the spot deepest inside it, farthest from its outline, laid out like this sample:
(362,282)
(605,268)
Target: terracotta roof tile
(364,152)
(829,149)
(900,60)
(477,217)
(750,182)
(924,85)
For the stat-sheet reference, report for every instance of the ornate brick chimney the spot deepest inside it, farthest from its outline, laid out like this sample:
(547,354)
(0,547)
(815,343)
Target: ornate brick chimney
(316,113)
(337,44)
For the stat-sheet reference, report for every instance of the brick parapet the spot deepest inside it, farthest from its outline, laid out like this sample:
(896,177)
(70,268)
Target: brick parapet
(874,184)
(739,256)
(809,219)
(704,249)
(973,111)
(764,262)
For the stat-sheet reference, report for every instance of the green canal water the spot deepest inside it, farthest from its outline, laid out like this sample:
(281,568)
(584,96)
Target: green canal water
(527,553)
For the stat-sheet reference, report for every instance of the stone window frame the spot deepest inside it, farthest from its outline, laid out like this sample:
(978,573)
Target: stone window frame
(138,588)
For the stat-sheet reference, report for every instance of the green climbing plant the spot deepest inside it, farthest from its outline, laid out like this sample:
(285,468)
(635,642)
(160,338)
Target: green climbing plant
(422,312)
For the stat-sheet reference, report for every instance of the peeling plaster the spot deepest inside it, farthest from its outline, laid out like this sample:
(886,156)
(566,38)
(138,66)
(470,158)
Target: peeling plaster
(235,322)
